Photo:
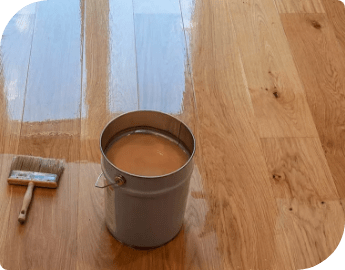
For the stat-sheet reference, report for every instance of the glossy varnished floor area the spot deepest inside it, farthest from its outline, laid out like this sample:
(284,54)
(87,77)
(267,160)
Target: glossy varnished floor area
(261,85)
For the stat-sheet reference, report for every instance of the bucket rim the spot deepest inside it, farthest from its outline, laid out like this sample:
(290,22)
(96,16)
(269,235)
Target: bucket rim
(142,176)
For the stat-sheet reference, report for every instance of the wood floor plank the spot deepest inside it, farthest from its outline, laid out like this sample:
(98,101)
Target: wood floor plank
(5,205)
(301,6)
(109,88)
(109,69)
(123,86)
(201,238)
(335,10)
(165,83)
(96,249)
(310,212)
(189,113)
(95,93)
(51,119)
(160,47)
(51,127)
(164,73)
(242,210)
(15,54)
(276,91)
(14,60)
(312,42)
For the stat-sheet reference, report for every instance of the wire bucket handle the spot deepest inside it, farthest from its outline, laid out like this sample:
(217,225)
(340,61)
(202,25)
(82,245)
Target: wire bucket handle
(119,181)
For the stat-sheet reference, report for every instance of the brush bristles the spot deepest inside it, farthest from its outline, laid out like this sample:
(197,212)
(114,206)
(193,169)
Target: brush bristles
(38,164)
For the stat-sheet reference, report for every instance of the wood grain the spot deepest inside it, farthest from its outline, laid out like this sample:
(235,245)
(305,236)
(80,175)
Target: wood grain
(48,238)
(277,94)
(233,160)
(302,6)
(320,65)
(311,217)
(335,10)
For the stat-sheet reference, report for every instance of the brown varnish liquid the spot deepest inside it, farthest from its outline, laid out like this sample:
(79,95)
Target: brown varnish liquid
(146,154)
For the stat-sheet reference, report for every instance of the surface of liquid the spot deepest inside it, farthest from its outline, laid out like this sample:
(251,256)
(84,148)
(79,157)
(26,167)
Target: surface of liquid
(146,154)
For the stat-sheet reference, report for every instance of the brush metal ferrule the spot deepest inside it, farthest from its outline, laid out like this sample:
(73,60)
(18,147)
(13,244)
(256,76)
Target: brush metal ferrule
(39,178)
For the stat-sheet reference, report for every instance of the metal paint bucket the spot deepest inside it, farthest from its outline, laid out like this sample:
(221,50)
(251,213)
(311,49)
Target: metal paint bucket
(143,211)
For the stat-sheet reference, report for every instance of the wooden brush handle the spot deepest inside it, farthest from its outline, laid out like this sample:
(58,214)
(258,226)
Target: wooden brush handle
(26,202)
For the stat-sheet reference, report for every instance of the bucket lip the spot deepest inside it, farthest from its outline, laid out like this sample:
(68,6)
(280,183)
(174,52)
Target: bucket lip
(141,176)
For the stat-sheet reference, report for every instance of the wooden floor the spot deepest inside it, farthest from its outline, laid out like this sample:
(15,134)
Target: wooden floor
(261,84)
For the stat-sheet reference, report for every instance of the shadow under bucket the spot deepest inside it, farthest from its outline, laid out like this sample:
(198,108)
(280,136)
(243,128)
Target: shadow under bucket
(145,211)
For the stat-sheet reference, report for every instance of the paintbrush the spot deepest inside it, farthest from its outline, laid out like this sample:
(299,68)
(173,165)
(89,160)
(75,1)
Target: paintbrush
(34,171)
